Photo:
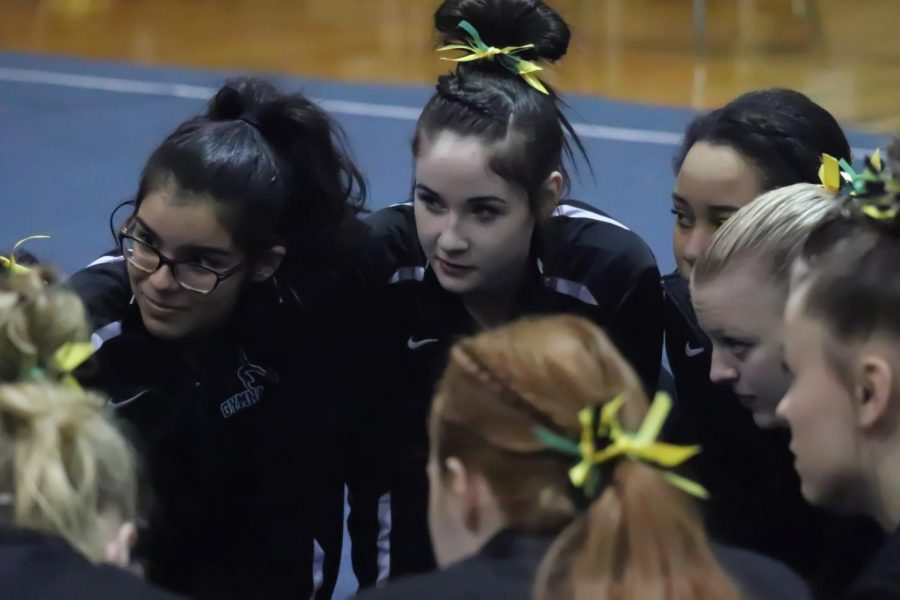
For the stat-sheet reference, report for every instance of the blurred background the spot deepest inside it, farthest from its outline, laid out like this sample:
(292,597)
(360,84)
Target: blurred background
(694,53)
(88,87)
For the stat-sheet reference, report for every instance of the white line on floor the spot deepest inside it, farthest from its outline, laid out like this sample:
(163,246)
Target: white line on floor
(345,107)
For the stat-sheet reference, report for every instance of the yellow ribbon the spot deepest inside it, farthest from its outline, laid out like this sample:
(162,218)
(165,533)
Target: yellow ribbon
(640,446)
(478,50)
(10,263)
(64,361)
(830,173)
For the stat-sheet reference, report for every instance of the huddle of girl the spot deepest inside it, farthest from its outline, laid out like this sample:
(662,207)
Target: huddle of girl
(477,366)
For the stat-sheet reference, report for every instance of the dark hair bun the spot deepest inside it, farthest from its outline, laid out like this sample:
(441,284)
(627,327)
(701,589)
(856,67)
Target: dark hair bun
(240,97)
(506,23)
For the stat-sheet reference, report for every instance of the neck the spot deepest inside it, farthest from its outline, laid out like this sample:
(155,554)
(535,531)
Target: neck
(886,509)
(494,307)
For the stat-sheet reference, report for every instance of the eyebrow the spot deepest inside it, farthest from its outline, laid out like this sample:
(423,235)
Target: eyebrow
(428,190)
(204,249)
(734,335)
(713,207)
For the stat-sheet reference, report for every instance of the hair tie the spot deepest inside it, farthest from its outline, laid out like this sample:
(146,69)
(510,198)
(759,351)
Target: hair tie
(476,49)
(603,441)
(10,261)
(251,120)
(872,191)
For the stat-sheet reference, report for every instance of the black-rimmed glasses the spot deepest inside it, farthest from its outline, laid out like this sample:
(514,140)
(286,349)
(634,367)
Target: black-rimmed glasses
(190,275)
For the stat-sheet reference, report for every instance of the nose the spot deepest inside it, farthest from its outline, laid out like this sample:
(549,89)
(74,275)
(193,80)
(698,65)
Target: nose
(699,240)
(163,280)
(451,240)
(720,371)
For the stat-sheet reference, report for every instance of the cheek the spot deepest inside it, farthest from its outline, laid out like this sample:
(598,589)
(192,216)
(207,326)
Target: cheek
(508,239)
(822,436)
(427,226)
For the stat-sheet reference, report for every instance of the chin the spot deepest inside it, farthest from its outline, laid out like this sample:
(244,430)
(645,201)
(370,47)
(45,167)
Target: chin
(165,330)
(767,420)
(455,285)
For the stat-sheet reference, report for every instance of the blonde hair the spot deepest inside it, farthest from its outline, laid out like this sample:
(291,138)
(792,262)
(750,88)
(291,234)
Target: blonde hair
(63,464)
(642,537)
(35,320)
(770,230)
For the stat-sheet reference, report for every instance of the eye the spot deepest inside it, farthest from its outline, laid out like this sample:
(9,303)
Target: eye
(683,220)
(721,220)
(486,212)
(143,236)
(739,348)
(206,262)
(432,203)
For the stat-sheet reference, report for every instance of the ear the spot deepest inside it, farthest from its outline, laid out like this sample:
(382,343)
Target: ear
(267,263)
(873,389)
(552,194)
(462,484)
(118,549)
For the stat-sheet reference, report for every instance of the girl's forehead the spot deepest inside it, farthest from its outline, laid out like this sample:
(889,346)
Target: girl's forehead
(183,221)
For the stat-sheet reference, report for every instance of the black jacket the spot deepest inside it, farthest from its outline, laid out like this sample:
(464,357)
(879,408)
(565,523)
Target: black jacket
(755,501)
(35,566)
(240,436)
(585,263)
(881,578)
(505,567)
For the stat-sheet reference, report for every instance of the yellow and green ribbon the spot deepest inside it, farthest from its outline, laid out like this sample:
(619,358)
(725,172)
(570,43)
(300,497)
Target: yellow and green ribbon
(875,193)
(830,173)
(603,424)
(476,49)
(64,361)
(10,261)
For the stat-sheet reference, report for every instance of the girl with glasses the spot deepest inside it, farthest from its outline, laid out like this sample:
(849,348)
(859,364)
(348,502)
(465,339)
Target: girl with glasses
(214,343)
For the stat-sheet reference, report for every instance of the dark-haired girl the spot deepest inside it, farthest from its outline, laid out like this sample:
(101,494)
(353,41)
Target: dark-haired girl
(213,341)
(489,237)
(760,141)
(842,345)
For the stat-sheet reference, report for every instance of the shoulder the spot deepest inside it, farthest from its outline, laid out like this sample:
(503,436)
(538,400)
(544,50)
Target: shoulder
(464,580)
(760,576)
(104,288)
(47,567)
(881,579)
(395,241)
(584,243)
(395,226)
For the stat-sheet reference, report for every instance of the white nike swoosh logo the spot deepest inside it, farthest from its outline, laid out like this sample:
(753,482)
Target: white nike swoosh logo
(692,352)
(119,403)
(415,344)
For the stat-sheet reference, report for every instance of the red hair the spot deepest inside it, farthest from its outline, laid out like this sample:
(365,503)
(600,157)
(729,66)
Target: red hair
(641,539)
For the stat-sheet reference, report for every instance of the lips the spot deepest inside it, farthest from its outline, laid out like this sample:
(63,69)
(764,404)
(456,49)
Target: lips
(453,269)
(160,307)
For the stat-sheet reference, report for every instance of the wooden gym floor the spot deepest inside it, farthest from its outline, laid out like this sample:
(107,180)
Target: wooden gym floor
(633,50)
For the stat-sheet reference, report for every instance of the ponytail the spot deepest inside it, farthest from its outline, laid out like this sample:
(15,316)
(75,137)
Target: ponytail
(276,166)
(635,535)
(640,540)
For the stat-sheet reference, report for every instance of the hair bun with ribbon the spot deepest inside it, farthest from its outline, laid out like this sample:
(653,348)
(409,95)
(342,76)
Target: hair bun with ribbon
(872,192)
(510,34)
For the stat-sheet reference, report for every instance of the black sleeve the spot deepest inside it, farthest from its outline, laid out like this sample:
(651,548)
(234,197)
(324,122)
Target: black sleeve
(368,423)
(581,246)
(636,327)
(104,288)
